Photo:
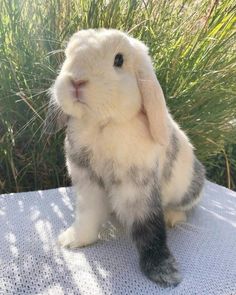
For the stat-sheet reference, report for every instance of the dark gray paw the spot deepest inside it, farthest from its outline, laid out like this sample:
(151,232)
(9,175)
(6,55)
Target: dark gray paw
(164,273)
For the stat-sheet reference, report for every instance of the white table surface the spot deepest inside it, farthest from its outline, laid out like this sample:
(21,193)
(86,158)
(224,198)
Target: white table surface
(31,261)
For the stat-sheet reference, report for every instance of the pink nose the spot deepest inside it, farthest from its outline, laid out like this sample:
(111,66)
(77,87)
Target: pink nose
(78,83)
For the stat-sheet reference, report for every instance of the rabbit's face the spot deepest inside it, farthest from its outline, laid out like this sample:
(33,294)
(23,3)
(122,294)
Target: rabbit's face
(98,77)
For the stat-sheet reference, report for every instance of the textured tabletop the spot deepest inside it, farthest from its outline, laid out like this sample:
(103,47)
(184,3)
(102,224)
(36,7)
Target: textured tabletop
(31,261)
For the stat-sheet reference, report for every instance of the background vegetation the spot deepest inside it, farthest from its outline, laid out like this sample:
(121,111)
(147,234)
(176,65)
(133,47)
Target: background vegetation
(193,47)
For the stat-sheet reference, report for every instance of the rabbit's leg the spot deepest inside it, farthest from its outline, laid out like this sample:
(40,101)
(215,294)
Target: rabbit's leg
(176,211)
(91,212)
(173,217)
(142,213)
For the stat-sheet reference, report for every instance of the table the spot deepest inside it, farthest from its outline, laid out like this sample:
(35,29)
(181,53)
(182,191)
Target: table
(32,262)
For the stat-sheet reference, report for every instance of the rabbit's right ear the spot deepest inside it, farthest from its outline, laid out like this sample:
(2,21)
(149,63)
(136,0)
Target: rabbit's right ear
(153,101)
(55,119)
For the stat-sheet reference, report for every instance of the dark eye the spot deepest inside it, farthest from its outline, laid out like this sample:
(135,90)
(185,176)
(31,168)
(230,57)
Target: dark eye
(118,61)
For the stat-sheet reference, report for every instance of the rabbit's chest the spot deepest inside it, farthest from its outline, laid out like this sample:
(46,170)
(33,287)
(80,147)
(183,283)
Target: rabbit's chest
(114,154)
(116,176)
(111,171)
(115,160)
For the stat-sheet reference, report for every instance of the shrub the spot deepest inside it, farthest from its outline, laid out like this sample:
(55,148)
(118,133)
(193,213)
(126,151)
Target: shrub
(192,44)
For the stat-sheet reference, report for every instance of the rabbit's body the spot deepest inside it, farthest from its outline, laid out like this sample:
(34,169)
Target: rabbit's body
(116,156)
(124,152)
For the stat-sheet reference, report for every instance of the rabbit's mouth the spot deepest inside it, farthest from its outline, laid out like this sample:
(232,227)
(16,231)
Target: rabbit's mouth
(78,99)
(77,90)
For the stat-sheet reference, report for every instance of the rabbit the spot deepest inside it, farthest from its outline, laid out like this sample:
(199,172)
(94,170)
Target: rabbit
(124,152)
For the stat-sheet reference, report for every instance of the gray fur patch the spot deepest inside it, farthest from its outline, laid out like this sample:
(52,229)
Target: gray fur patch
(165,272)
(196,185)
(95,178)
(140,177)
(82,158)
(116,181)
(171,156)
(149,235)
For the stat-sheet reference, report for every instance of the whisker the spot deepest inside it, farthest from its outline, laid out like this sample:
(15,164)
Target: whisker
(32,119)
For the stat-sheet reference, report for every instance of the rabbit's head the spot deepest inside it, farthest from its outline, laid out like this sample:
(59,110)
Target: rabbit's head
(107,76)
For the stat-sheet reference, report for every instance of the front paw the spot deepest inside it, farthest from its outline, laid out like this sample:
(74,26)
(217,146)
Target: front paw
(164,272)
(73,238)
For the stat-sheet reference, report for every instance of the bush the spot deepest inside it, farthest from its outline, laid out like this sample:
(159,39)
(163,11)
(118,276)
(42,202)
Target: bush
(192,44)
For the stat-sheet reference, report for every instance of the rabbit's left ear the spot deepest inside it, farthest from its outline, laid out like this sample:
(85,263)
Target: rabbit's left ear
(153,100)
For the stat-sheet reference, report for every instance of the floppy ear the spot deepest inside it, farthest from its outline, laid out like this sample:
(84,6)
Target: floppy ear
(55,119)
(153,100)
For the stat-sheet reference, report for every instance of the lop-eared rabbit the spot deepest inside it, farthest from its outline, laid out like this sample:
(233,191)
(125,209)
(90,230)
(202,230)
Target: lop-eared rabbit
(124,152)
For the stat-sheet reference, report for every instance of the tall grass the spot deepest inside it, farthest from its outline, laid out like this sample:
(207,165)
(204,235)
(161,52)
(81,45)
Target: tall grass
(193,47)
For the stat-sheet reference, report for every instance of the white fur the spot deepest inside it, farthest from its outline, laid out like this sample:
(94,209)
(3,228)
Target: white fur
(124,121)
(91,212)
